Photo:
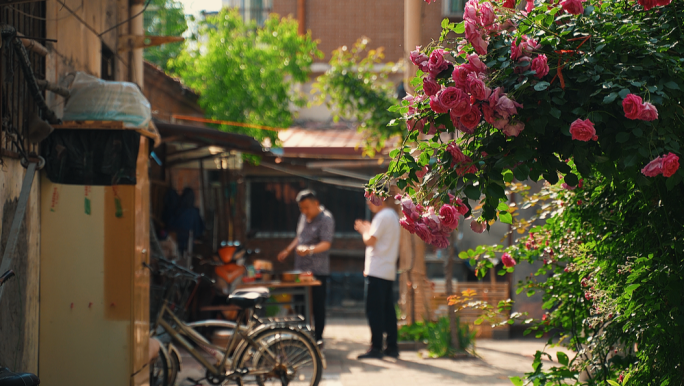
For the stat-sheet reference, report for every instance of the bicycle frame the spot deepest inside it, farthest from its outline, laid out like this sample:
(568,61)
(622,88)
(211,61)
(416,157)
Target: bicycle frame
(183,331)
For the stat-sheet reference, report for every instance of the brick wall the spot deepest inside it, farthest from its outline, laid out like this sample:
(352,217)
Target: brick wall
(338,23)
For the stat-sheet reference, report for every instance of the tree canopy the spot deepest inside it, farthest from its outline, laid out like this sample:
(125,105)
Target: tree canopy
(164,18)
(248,74)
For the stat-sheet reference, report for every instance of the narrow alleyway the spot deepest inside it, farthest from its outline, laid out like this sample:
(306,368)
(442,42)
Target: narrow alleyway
(348,337)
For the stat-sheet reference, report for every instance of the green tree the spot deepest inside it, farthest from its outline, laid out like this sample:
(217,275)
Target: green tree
(248,74)
(164,18)
(354,88)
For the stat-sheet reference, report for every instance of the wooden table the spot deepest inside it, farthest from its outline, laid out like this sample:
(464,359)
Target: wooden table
(294,289)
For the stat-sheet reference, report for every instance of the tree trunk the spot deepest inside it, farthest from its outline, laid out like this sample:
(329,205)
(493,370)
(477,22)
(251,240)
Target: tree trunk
(448,276)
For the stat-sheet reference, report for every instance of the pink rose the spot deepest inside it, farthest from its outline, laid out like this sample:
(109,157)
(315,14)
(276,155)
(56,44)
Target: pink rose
(459,108)
(450,97)
(653,168)
(422,172)
(648,112)
(423,232)
(460,206)
(408,225)
(493,118)
(472,31)
(523,67)
(530,6)
(583,130)
(516,51)
(373,198)
(436,63)
(506,106)
(478,227)
(410,210)
(437,106)
(457,156)
(513,128)
(440,240)
(632,105)
(529,45)
(419,59)
(431,219)
(568,187)
(430,86)
(670,164)
(480,45)
(470,10)
(507,260)
(487,15)
(449,216)
(466,168)
(541,66)
(573,7)
(416,125)
(460,76)
(648,4)
(471,118)
(477,87)
(476,63)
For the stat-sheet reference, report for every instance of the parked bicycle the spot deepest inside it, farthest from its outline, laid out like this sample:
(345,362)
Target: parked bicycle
(268,352)
(7,377)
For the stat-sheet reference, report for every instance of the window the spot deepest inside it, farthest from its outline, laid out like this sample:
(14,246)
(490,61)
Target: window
(453,8)
(272,208)
(17,106)
(254,10)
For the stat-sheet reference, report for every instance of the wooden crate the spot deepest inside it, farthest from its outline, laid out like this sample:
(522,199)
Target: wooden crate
(491,293)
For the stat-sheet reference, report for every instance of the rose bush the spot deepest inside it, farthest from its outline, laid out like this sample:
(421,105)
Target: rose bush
(564,92)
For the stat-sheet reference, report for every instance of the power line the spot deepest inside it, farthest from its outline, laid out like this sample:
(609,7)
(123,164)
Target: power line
(127,20)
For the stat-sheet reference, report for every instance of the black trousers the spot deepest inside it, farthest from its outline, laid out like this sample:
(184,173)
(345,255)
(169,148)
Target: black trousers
(318,298)
(380,311)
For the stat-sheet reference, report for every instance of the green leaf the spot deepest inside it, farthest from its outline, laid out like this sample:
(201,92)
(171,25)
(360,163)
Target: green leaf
(672,85)
(521,172)
(502,206)
(623,93)
(472,192)
(613,383)
(505,218)
(459,28)
(571,179)
(622,137)
(672,181)
(562,358)
(610,98)
(508,176)
(631,289)
(555,113)
(541,86)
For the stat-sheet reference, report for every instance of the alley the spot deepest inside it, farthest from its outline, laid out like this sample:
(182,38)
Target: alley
(345,338)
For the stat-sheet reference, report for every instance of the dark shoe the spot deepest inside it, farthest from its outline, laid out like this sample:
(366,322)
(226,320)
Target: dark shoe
(371,354)
(394,353)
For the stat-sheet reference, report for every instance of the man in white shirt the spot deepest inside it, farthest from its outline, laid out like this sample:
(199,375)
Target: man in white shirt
(382,250)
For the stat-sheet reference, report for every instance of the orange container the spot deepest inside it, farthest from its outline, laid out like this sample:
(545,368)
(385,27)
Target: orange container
(229,272)
(226,254)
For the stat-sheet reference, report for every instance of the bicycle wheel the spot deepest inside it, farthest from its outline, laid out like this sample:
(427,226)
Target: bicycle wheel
(295,361)
(159,370)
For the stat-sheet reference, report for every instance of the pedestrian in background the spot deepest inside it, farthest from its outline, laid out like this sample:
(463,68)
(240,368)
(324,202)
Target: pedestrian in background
(381,237)
(315,232)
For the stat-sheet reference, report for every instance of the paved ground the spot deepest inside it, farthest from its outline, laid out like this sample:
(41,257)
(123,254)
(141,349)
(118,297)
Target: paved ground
(346,338)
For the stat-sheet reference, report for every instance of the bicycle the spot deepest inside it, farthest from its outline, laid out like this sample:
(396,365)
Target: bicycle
(259,351)
(7,377)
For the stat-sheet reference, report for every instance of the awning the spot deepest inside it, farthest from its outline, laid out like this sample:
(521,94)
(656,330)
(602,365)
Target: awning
(202,136)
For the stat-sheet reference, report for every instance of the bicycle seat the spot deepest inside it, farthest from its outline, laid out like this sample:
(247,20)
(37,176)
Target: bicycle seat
(248,298)
(8,378)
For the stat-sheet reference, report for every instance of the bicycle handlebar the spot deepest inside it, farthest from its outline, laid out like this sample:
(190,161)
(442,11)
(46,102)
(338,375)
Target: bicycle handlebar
(181,271)
(6,276)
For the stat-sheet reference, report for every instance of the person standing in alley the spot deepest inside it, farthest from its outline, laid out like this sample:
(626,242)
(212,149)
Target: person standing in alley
(380,269)
(315,232)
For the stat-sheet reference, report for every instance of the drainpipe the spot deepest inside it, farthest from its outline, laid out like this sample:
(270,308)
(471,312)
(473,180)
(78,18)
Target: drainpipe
(136,28)
(413,23)
(301,16)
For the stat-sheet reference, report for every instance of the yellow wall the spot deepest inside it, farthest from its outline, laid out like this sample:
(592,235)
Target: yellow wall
(94,323)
